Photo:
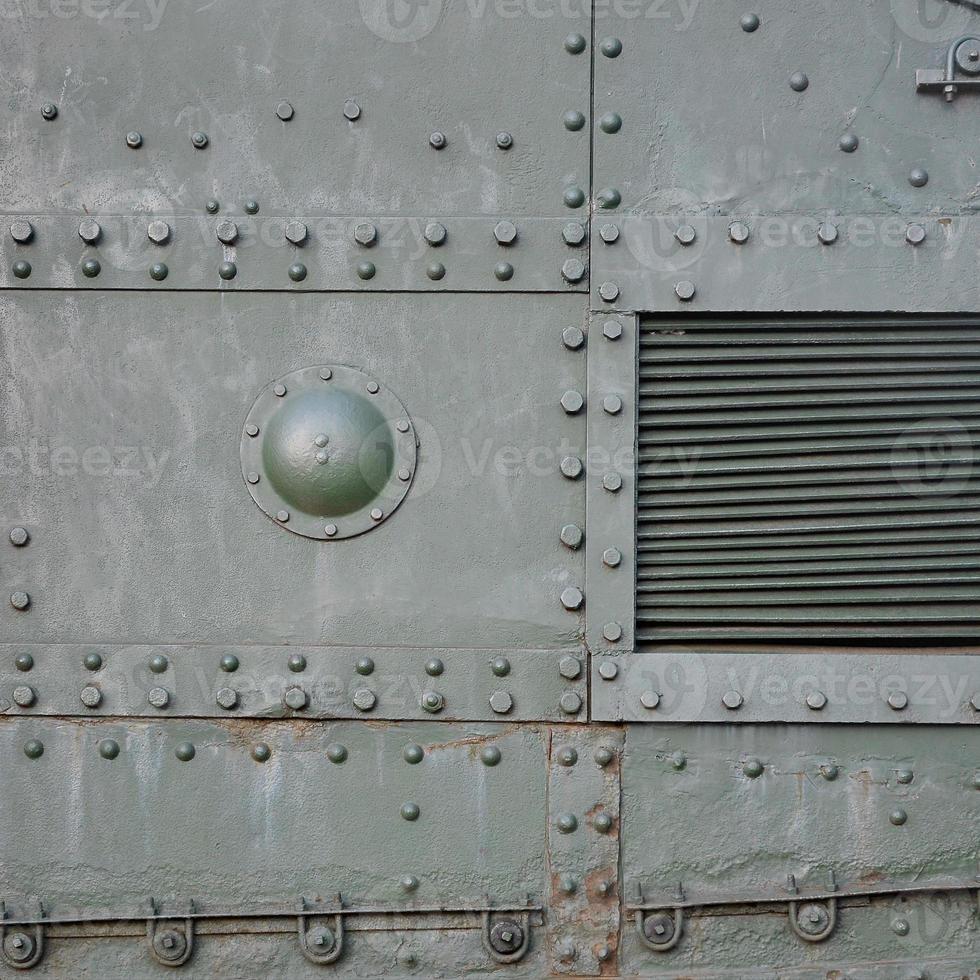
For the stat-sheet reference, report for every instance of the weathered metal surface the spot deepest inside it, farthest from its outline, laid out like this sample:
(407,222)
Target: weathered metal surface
(821,818)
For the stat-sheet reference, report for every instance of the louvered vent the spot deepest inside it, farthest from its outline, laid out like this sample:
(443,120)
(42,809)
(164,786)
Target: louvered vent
(809,478)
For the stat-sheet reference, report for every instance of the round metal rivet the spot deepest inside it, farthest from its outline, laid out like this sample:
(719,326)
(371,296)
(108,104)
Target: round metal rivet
(732,700)
(490,755)
(227,270)
(798,81)
(572,598)
(608,197)
(437,140)
(575,43)
(611,47)
(753,768)
(296,272)
(500,667)
(915,234)
(199,140)
(20,601)
(918,177)
(90,696)
(827,233)
(92,661)
(212,207)
(572,338)
(573,270)
(413,754)
(749,23)
(410,811)
(434,667)
(609,292)
(900,926)
(678,761)
(611,122)
(567,756)
(603,756)
(566,823)
(503,271)
(612,482)
(684,290)
(738,232)
(612,632)
(19,536)
(568,884)
(49,111)
(898,700)
(816,700)
(337,753)
(158,697)
(571,536)
(573,120)
(284,111)
(24,662)
(848,142)
(24,696)
(904,776)
(229,663)
(21,231)
(898,817)
(574,197)
(501,702)
(602,823)
(572,402)
(91,268)
(404,474)
(159,271)
(364,666)
(21,269)
(109,748)
(504,141)
(612,404)
(185,751)
(366,270)
(408,883)
(226,698)
(570,703)
(650,700)
(352,111)
(261,752)
(34,749)
(571,467)
(158,663)
(829,771)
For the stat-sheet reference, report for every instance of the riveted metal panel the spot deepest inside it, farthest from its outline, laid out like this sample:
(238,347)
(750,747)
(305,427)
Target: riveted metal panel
(122,418)
(751,819)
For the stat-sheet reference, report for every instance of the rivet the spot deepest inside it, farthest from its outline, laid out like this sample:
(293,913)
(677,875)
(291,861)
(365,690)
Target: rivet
(738,232)
(20,601)
(296,663)
(848,142)
(573,120)
(898,700)
(404,474)
(282,516)
(568,884)
(567,756)
(571,536)
(432,701)
(49,111)
(325,374)
(573,270)
(609,233)
(199,140)
(92,661)
(573,233)
(159,271)
(284,111)
(732,700)
(19,536)
(91,268)
(611,557)
(296,272)
(798,81)
(229,663)
(612,632)
(603,756)
(678,761)
(185,751)
(900,926)
(212,206)
(602,823)
(572,598)
(898,817)
(413,754)
(227,232)
(609,292)
(505,141)
(337,753)
(89,231)
(572,402)
(109,748)
(816,700)
(24,662)
(904,776)
(21,231)
(330,530)
(686,234)
(611,47)
(410,811)
(753,768)
(570,703)
(24,695)
(437,140)
(749,23)
(603,953)
(571,467)
(611,122)
(279,389)
(829,771)
(158,697)
(435,271)
(408,883)
(227,270)
(827,233)
(501,702)
(574,197)
(373,387)
(612,482)
(296,232)
(366,270)
(295,698)
(566,823)
(34,749)
(261,752)
(575,43)
(434,667)
(684,290)
(158,232)
(364,666)
(650,700)
(251,429)
(608,670)
(572,338)
(21,269)
(226,698)
(570,667)
(915,234)
(90,696)
(918,177)
(608,197)
(612,404)
(500,666)
(352,111)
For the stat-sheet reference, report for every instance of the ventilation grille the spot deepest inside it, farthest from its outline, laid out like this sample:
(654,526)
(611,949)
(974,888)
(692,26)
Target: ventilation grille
(809,478)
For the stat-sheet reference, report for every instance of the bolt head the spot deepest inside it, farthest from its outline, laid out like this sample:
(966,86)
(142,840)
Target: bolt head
(504,141)
(506,937)
(49,111)
(572,598)
(158,697)
(284,111)
(684,290)
(612,404)
(89,231)
(20,601)
(686,234)
(898,700)
(18,947)
(571,467)
(827,233)
(608,670)
(438,140)
(90,696)
(24,696)
(226,698)
(738,232)
(915,234)
(505,232)
(227,232)
(609,292)
(612,632)
(435,233)
(296,233)
(320,938)
(573,270)
(570,668)
(732,700)
(650,700)
(816,700)
(571,536)
(609,233)
(365,233)
(572,402)
(199,140)
(158,232)
(658,927)
(21,231)
(612,482)
(19,536)
(572,338)
(501,703)
(432,701)
(573,233)
(296,698)
(352,111)
(570,703)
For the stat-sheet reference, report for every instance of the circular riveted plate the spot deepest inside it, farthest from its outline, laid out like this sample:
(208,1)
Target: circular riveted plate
(331,452)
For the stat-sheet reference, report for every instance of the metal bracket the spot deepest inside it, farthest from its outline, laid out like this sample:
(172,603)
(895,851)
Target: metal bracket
(319,943)
(169,946)
(650,925)
(21,950)
(813,921)
(506,940)
(963,54)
